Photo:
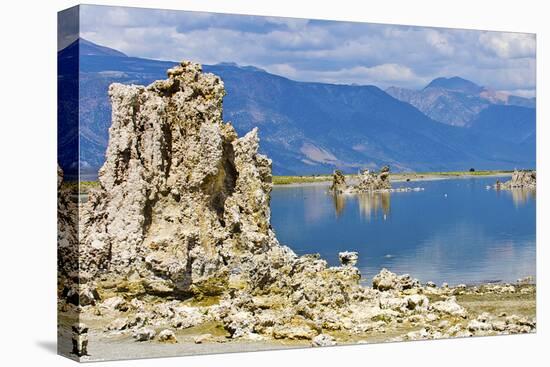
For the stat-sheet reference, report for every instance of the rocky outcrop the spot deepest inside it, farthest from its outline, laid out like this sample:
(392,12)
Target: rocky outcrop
(524,179)
(386,280)
(182,198)
(348,257)
(67,227)
(338,182)
(374,181)
(183,210)
(167,336)
(369,182)
(323,340)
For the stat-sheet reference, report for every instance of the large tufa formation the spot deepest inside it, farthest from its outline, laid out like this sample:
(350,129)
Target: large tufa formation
(183,210)
(181,195)
(67,225)
(524,179)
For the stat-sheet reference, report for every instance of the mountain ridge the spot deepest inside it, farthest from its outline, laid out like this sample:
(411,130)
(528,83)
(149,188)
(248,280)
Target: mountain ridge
(456,101)
(307,128)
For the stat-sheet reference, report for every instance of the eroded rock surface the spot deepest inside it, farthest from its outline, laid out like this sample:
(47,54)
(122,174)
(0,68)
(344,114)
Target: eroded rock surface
(524,179)
(368,182)
(182,198)
(374,181)
(338,182)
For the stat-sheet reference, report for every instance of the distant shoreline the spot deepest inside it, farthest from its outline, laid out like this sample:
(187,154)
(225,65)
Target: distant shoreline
(293,181)
(321,180)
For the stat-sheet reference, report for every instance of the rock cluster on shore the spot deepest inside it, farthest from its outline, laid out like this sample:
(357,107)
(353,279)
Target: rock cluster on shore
(521,179)
(182,215)
(397,306)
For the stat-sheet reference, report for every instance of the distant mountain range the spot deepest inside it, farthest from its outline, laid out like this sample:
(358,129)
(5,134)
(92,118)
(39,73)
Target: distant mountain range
(456,101)
(310,128)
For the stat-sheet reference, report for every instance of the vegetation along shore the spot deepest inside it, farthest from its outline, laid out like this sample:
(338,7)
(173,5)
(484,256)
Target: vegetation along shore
(85,186)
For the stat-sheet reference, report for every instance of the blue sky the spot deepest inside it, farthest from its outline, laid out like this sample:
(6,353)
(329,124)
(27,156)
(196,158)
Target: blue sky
(318,50)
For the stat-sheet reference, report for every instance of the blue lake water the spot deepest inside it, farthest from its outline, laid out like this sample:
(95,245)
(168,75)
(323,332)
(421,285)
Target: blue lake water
(455,231)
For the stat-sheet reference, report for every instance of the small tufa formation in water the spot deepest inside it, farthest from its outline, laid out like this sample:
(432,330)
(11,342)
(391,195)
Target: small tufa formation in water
(521,179)
(374,181)
(369,182)
(338,182)
(348,258)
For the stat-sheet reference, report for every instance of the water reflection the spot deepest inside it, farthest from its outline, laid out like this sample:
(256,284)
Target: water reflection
(370,204)
(454,231)
(522,196)
(339,201)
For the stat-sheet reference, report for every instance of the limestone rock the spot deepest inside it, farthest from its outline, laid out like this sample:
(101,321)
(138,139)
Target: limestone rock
(240,323)
(167,336)
(417,302)
(450,307)
(386,280)
(82,294)
(373,181)
(186,317)
(475,326)
(338,182)
(117,324)
(139,319)
(348,258)
(524,179)
(323,340)
(144,334)
(294,332)
(114,304)
(180,193)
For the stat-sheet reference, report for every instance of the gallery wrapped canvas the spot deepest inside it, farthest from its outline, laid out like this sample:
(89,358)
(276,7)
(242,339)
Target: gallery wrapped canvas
(233,183)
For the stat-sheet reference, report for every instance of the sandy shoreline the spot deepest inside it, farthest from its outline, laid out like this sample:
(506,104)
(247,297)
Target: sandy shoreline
(398,178)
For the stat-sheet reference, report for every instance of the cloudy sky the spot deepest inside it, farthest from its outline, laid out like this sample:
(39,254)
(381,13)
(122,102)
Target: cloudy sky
(316,50)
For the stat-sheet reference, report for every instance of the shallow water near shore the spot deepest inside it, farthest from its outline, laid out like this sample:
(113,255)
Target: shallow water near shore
(455,231)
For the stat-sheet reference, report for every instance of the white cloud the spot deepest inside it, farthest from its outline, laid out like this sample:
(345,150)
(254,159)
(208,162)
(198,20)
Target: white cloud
(509,45)
(336,52)
(284,70)
(383,75)
(438,40)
